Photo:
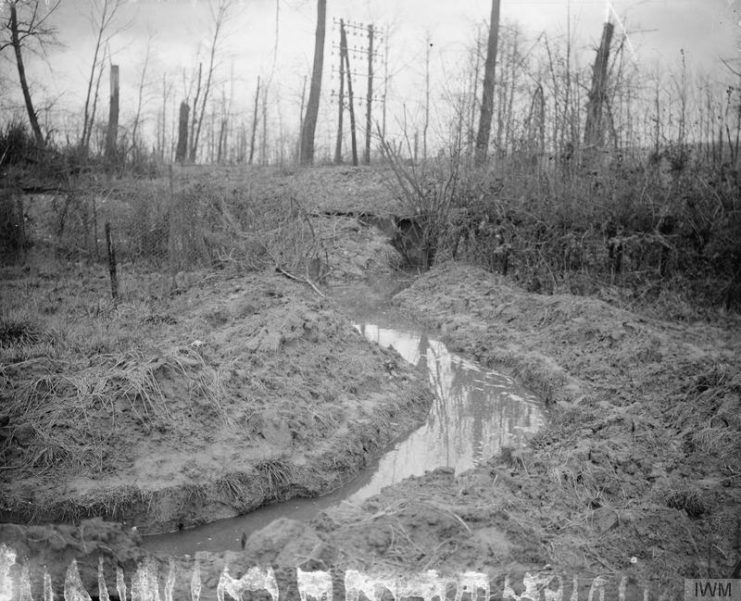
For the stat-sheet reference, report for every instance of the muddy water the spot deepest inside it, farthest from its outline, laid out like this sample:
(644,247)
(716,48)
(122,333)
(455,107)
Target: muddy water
(475,413)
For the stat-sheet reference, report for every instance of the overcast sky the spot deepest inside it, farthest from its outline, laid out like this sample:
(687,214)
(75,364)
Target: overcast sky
(179,32)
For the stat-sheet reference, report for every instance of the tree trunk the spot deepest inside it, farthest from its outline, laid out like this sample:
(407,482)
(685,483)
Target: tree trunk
(312,108)
(301,120)
(22,76)
(254,122)
(593,130)
(487,98)
(112,133)
(182,148)
(426,126)
(192,150)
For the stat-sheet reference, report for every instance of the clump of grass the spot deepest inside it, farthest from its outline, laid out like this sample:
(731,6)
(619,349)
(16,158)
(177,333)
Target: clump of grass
(235,486)
(277,472)
(17,331)
(706,411)
(689,501)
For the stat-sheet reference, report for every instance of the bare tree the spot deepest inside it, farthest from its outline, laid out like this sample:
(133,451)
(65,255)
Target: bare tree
(312,107)
(102,20)
(112,132)
(220,16)
(487,98)
(22,30)
(254,122)
(140,96)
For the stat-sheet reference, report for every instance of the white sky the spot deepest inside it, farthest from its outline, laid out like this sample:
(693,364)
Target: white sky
(180,32)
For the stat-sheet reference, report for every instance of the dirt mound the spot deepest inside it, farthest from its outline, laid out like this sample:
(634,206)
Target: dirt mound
(169,411)
(638,473)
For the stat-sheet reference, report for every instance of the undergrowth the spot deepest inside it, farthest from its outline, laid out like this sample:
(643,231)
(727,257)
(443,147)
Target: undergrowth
(648,232)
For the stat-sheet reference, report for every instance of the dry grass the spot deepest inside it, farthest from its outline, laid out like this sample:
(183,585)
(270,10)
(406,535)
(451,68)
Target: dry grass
(690,501)
(79,375)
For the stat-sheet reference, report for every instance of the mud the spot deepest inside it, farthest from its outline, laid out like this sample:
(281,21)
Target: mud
(636,475)
(166,413)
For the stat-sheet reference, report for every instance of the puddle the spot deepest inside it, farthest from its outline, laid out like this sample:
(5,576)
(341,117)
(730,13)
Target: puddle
(475,413)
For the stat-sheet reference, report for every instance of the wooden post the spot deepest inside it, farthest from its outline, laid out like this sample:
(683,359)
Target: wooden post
(350,98)
(112,133)
(111,261)
(341,97)
(21,222)
(369,98)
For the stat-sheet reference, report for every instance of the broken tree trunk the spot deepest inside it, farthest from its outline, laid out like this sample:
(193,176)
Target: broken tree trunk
(182,148)
(593,129)
(112,133)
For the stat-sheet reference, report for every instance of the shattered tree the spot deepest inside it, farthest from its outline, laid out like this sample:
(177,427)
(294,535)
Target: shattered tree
(593,130)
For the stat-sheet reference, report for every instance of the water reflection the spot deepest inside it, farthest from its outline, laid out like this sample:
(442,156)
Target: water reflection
(474,414)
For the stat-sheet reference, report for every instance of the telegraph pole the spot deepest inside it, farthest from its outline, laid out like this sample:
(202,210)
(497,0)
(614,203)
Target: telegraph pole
(341,100)
(370,33)
(350,97)
(369,98)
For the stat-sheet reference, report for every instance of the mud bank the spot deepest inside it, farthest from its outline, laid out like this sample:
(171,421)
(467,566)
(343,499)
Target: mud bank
(174,409)
(638,473)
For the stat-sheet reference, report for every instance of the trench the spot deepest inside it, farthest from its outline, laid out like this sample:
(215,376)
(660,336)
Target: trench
(475,413)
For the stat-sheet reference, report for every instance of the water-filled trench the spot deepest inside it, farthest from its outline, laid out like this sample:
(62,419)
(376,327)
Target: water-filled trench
(475,412)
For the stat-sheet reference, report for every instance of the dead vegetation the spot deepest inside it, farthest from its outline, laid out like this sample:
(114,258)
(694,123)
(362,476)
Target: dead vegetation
(226,383)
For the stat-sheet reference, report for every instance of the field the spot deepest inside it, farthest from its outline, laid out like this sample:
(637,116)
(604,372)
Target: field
(226,374)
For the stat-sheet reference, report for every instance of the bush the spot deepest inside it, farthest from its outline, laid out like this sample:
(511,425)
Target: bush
(646,227)
(17,145)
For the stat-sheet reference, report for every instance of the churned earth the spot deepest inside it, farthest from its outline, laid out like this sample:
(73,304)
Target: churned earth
(637,473)
(171,410)
(247,388)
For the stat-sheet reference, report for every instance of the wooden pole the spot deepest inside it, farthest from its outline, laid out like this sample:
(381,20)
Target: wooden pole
(369,98)
(350,98)
(111,261)
(341,98)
